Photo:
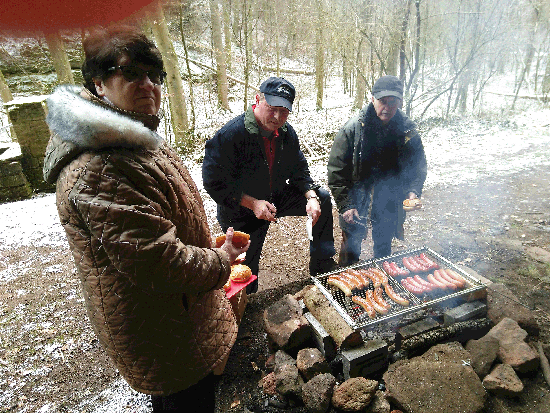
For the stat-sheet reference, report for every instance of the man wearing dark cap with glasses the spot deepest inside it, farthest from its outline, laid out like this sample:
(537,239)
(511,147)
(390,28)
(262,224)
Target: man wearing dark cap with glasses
(377,161)
(255,171)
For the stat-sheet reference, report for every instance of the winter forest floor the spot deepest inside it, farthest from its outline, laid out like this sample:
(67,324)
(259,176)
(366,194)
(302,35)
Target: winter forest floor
(486,200)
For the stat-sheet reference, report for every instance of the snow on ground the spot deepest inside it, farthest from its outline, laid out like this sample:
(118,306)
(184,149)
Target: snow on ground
(459,151)
(453,150)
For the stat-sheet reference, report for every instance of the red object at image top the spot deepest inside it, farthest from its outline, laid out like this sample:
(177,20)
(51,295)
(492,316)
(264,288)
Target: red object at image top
(49,16)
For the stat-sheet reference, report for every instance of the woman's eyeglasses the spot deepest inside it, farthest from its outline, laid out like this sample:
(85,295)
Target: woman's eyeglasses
(136,74)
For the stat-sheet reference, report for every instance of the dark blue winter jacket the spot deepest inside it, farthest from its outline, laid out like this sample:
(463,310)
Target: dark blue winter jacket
(235,163)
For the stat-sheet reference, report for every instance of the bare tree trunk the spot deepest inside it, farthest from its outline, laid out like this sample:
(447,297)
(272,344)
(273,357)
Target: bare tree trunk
(319,56)
(546,79)
(277,46)
(6,96)
(415,58)
(227,33)
(530,52)
(345,71)
(221,75)
(5,92)
(403,43)
(59,58)
(178,109)
(524,71)
(360,84)
(376,51)
(191,82)
(246,53)
(462,91)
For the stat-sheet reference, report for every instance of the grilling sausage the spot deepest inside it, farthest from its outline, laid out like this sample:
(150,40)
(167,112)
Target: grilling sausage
(417,290)
(427,286)
(410,265)
(372,276)
(365,304)
(379,298)
(439,277)
(400,270)
(456,276)
(355,283)
(421,264)
(369,295)
(388,267)
(416,284)
(395,297)
(381,276)
(450,279)
(435,282)
(341,283)
(433,265)
(363,281)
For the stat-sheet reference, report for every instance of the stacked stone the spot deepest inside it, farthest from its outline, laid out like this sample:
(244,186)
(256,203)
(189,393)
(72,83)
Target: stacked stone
(28,119)
(13,183)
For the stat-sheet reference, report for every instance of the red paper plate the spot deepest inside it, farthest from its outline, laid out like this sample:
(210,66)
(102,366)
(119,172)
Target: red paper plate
(236,287)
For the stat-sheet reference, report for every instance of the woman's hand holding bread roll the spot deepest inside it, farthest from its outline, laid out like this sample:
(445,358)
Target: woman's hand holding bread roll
(234,243)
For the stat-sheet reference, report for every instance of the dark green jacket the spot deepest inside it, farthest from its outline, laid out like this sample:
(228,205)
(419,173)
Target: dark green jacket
(365,152)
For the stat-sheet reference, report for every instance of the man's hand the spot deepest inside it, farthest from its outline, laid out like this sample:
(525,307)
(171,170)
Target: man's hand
(313,209)
(349,215)
(262,209)
(231,249)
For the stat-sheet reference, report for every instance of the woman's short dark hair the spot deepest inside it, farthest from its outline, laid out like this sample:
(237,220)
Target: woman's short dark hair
(103,47)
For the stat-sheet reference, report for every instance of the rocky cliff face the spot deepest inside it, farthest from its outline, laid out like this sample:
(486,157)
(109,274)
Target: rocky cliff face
(27,66)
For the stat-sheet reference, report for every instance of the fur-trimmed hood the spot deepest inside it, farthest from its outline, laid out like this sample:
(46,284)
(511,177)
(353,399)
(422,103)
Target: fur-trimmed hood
(79,121)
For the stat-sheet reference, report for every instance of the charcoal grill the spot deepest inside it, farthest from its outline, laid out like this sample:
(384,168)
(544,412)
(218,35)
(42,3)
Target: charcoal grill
(356,317)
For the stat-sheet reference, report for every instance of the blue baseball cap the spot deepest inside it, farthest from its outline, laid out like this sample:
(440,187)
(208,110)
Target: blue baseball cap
(278,92)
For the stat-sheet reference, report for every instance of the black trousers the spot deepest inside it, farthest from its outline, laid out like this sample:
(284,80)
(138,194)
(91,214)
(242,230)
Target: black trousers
(199,398)
(290,203)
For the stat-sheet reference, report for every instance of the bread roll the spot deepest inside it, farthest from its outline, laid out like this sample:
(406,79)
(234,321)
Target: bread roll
(240,273)
(240,239)
(412,204)
(227,285)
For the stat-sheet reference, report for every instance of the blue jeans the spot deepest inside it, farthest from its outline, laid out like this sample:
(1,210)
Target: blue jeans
(387,197)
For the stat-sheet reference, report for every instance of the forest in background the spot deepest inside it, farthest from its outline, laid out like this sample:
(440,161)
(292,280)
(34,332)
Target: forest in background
(445,51)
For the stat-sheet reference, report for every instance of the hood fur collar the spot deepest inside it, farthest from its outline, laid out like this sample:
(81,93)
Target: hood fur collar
(80,118)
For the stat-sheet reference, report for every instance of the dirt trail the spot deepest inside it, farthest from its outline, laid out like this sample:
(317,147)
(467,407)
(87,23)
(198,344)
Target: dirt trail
(485,205)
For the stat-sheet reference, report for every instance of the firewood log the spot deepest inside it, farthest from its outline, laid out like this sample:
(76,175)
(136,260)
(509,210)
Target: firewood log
(343,335)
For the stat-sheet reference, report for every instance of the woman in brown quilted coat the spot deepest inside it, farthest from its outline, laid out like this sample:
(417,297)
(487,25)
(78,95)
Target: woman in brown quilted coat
(137,229)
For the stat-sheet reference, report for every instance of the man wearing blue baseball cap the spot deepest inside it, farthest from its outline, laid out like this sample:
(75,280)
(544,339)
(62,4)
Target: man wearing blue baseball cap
(255,171)
(377,161)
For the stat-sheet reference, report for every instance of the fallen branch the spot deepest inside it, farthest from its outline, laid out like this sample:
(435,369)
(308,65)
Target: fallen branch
(461,331)
(202,65)
(289,71)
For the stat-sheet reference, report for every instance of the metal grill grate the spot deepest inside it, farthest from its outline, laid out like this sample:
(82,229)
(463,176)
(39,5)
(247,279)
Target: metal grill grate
(357,318)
